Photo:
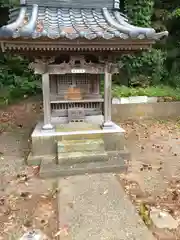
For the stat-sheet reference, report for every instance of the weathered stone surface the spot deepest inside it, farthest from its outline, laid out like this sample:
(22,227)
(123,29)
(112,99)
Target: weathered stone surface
(82,136)
(70,127)
(95,207)
(44,145)
(80,145)
(54,170)
(37,160)
(162,219)
(114,141)
(150,110)
(70,158)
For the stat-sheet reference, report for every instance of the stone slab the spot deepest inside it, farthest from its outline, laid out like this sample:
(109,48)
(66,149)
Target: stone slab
(38,132)
(162,219)
(95,207)
(115,165)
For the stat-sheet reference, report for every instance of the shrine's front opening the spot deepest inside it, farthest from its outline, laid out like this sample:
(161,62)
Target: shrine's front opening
(75,92)
(71,91)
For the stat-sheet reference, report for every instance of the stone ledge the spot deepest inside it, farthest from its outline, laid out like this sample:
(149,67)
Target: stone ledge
(56,171)
(37,160)
(100,157)
(135,99)
(81,157)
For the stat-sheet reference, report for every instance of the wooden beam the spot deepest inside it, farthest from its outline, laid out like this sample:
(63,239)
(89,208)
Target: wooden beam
(65,68)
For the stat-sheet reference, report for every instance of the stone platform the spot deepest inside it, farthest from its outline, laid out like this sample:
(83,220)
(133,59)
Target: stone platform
(77,148)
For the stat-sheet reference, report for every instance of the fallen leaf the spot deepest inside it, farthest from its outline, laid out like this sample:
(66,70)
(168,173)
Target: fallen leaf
(28,223)
(174,195)
(25,194)
(63,231)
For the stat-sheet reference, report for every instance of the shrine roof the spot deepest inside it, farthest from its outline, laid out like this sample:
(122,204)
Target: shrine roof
(38,22)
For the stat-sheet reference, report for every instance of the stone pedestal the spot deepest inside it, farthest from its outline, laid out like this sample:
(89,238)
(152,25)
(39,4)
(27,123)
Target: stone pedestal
(62,148)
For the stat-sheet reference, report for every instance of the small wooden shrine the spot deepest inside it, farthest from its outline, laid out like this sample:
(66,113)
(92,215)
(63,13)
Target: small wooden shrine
(73,44)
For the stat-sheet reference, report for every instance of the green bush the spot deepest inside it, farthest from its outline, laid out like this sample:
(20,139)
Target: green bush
(158,91)
(16,79)
(146,68)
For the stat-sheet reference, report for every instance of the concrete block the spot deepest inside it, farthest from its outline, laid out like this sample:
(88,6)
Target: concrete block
(124,100)
(152,100)
(43,145)
(162,219)
(138,99)
(116,101)
(114,141)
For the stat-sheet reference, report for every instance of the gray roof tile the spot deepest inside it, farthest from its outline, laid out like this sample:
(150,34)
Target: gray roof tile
(37,22)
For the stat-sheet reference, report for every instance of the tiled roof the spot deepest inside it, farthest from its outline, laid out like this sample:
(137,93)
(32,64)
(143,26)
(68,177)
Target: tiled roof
(110,4)
(42,22)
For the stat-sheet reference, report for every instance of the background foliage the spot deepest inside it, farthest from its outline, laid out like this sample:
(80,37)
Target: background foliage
(151,69)
(16,79)
(161,64)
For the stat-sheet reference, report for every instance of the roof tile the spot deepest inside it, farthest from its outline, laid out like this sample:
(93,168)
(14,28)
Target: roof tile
(36,22)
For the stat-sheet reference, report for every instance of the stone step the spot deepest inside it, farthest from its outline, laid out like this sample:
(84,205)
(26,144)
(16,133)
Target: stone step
(80,145)
(70,158)
(82,136)
(55,170)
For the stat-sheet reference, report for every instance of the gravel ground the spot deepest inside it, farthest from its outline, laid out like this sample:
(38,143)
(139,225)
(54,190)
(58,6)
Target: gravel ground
(26,202)
(155,151)
(153,178)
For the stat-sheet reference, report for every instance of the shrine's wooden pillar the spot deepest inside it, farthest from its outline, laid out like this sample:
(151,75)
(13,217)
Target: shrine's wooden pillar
(40,66)
(107,98)
(46,101)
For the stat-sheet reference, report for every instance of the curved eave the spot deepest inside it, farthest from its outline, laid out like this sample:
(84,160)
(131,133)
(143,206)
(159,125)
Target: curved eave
(44,23)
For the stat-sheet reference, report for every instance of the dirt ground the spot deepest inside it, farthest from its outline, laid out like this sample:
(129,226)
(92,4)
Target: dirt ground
(25,201)
(153,177)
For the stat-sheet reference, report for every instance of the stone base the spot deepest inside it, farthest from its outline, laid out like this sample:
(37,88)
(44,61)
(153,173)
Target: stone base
(108,125)
(47,151)
(56,171)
